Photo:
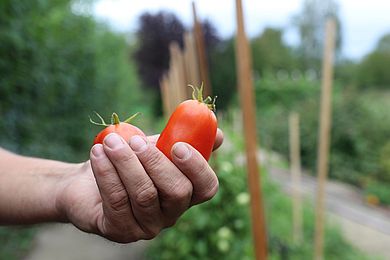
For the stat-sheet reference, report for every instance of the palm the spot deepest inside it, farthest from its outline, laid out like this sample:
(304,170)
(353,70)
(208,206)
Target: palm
(83,195)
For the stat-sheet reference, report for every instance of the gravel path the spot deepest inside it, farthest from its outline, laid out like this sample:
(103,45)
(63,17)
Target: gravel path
(366,227)
(65,242)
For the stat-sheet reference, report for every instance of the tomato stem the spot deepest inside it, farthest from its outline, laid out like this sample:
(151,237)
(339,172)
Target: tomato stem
(115,119)
(197,94)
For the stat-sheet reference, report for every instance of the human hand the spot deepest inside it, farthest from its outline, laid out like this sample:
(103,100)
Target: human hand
(131,192)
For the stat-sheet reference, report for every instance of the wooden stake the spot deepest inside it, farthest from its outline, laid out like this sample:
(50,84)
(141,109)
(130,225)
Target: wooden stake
(176,77)
(201,51)
(191,62)
(245,85)
(164,88)
(295,162)
(181,74)
(324,135)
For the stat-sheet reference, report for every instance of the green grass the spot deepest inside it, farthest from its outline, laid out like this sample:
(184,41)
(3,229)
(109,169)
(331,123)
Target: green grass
(15,241)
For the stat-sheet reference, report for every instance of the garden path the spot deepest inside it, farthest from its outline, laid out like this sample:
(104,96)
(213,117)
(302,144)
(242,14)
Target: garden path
(367,227)
(65,242)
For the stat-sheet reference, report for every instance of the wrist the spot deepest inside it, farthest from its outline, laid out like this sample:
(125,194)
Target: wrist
(61,200)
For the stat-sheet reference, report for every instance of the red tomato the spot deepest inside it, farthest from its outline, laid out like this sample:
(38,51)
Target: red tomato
(124,129)
(192,122)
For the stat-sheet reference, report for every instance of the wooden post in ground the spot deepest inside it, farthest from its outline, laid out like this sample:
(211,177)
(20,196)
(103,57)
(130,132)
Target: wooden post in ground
(245,85)
(176,74)
(295,166)
(191,62)
(324,135)
(165,96)
(201,51)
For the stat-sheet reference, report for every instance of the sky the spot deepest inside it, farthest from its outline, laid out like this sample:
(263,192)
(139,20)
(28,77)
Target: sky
(364,22)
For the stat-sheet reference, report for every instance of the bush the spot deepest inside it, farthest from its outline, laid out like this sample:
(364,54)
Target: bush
(15,242)
(356,145)
(55,70)
(379,190)
(384,162)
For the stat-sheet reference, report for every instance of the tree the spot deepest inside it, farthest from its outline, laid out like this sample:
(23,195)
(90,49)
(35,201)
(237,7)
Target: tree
(384,44)
(223,72)
(270,53)
(55,70)
(373,70)
(155,33)
(310,23)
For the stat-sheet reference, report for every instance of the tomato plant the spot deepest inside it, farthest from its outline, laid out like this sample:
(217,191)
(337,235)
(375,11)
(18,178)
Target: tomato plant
(124,129)
(192,122)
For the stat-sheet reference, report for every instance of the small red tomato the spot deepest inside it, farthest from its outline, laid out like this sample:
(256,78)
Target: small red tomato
(192,122)
(124,129)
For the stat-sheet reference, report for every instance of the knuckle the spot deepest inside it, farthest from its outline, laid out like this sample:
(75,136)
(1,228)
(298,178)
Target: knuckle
(170,222)
(102,168)
(211,192)
(121,233)
(151,233)
(153,160)
(181,192)
(118,198)
(203,169)
(146,195)
(121,237)
(123,156)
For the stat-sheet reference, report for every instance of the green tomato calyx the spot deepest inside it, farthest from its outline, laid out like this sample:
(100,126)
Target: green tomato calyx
(114,119)
(197,94)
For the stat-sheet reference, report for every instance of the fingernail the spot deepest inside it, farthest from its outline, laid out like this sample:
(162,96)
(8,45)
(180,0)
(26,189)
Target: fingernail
(113,140)
(181,151)
(137,143)
(97,150)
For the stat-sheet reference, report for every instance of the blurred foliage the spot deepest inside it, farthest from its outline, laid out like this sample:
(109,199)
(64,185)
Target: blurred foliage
(220,228)
(270,53)
(345,71)
(357,148)
(384,161)
(154,35)
(380,190)
(310,23)
(15,242)
(223,73)
(56,68)
(373,70)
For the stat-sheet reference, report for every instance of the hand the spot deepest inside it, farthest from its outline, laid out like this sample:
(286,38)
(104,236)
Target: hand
(130,192)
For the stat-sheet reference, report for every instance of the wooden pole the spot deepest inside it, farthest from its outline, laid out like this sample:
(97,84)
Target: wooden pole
(181,73)
(191,62)
(324,135)
(295,162)
(245,85)
(164,88)
(201,51)
(175,74)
